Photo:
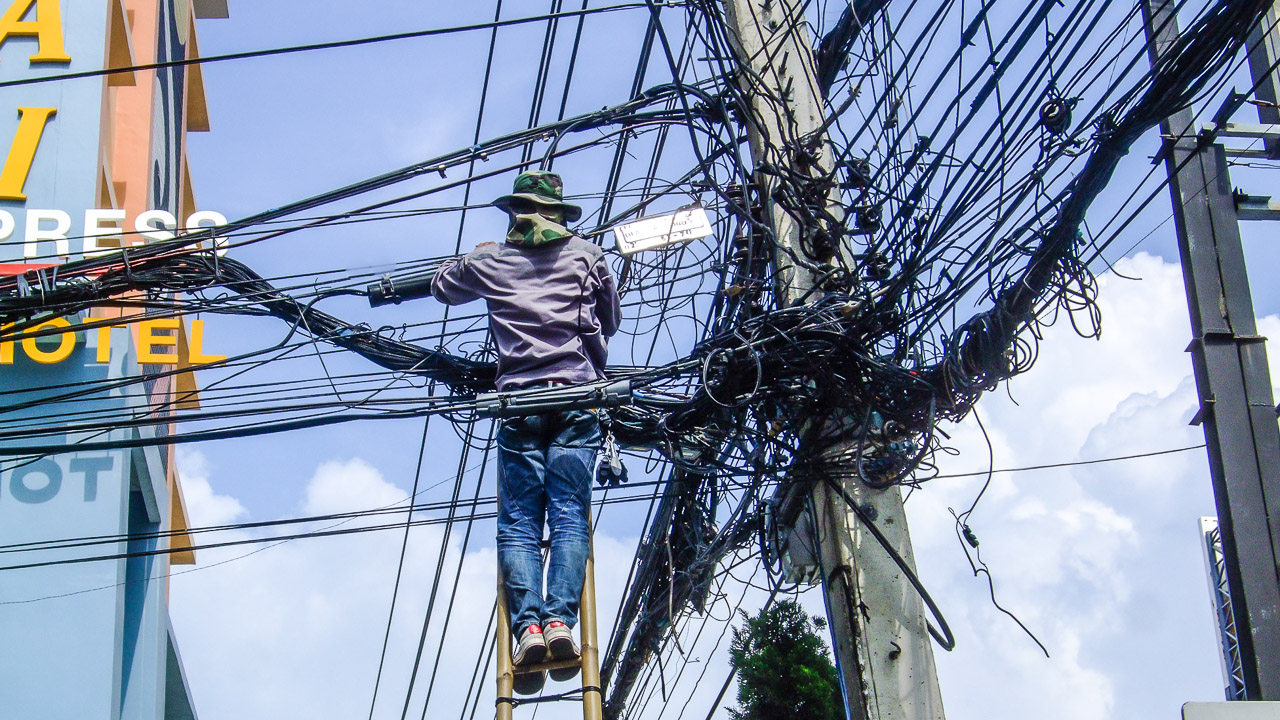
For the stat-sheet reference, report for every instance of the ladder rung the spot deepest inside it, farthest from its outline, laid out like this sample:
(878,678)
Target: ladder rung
(547,665)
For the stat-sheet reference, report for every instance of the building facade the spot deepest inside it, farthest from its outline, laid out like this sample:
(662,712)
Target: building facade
(93,161)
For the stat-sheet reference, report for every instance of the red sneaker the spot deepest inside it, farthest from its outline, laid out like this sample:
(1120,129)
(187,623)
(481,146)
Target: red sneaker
(531,649)
(559,640)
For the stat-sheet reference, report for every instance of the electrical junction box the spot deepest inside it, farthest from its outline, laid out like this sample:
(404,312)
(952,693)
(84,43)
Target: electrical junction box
(1240,710)
(799,551)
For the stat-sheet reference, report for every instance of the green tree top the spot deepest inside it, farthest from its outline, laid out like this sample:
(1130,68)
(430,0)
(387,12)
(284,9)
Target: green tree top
(784,672)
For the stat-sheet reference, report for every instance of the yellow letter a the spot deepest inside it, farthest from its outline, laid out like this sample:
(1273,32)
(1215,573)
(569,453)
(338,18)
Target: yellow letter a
(23,153)
(46,28)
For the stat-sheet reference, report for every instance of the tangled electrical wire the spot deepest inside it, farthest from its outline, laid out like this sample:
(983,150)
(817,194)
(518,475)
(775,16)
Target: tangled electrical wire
(840,350)
(942,226)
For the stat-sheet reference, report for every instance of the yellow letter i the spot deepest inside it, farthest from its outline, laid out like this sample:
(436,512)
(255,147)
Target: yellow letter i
(23,153)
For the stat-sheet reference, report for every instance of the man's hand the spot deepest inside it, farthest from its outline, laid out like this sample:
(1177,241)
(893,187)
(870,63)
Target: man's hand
(485,244)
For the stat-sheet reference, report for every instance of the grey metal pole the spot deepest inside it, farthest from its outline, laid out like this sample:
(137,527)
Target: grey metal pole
(882,647)
(1264,49)
(1237,408)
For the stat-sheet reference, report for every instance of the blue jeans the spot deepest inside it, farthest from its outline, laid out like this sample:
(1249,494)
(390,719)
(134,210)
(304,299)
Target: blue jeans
(544,475)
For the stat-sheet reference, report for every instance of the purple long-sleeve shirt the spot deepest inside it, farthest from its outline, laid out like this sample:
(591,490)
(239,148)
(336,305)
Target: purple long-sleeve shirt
(551,308)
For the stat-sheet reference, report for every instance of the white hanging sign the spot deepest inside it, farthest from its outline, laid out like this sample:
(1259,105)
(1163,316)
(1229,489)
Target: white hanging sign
(662,231)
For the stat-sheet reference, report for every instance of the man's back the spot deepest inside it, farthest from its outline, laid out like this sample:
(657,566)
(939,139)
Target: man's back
(551,308)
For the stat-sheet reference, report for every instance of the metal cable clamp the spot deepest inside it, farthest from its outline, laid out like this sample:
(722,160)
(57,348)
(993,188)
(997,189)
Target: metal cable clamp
(535,401)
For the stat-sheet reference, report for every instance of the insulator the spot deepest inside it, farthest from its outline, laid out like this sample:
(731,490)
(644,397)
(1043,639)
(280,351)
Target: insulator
(1055,116)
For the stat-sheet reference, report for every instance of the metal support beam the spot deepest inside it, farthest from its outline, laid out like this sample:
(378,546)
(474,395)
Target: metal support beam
(1257,207)
(1264,44)
(883,651)
(1236,404)
(1269,135)
(1269,132)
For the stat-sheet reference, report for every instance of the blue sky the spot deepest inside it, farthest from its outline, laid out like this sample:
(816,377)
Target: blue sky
(1102,562)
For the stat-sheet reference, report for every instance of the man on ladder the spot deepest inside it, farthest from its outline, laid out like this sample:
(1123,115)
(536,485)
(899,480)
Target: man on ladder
(552,306)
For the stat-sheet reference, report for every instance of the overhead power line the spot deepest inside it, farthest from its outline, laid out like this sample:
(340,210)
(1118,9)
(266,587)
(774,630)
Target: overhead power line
(1072,463)
(331,45)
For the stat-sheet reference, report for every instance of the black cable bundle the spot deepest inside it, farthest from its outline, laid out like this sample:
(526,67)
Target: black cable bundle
(981,350)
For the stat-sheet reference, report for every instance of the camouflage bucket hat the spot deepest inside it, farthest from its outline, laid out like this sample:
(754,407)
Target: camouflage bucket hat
(541,187)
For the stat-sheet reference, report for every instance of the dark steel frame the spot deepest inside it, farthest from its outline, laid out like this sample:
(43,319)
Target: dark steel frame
(1237,408)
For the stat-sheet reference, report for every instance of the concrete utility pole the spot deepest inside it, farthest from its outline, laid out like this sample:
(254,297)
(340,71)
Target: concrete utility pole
(1237,408)
(879,632)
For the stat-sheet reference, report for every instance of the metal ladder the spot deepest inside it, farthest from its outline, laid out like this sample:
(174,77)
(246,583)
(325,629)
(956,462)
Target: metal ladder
(592,705)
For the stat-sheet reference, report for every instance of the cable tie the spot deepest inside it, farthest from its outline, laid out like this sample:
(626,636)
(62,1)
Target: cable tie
(567,695)
(128,269)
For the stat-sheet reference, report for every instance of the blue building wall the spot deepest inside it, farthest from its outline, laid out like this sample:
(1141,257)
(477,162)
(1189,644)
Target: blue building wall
(80,640)
(89,639)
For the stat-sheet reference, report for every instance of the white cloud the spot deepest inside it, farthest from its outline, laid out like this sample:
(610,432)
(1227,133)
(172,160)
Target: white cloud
(341,486)
(204,506)
(1101,561)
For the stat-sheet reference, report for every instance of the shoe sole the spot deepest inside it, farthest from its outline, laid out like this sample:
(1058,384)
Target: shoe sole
(529,683)
(562,648)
